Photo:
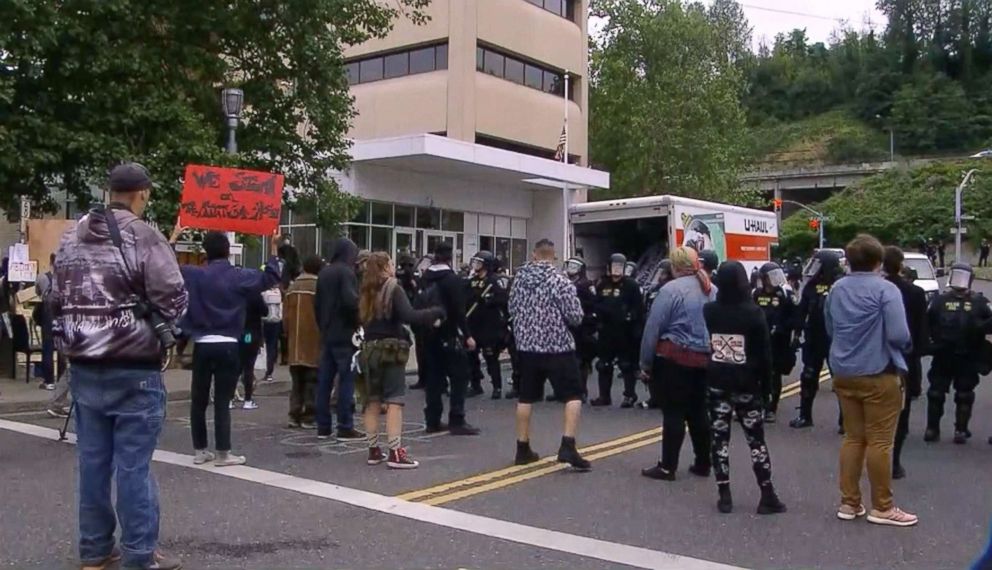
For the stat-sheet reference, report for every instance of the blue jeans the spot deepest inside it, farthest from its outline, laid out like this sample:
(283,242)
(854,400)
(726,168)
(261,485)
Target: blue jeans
(119,414)
(335,361)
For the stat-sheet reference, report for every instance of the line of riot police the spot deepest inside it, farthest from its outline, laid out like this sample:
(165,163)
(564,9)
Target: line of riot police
(792,300)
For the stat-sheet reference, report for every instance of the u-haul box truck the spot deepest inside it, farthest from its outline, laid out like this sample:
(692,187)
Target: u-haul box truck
(644,229)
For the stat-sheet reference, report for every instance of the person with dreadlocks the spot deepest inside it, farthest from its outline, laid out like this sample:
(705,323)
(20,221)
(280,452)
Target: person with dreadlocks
(675,351)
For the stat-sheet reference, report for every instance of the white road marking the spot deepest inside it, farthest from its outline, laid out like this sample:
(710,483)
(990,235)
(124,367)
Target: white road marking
(522,534)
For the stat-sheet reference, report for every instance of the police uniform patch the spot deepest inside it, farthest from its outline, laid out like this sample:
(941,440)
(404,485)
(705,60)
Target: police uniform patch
(775,302)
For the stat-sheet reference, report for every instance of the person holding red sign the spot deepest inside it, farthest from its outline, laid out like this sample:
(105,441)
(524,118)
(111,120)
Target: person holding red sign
(218,294)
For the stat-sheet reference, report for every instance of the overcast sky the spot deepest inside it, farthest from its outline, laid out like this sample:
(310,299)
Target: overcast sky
(819,17)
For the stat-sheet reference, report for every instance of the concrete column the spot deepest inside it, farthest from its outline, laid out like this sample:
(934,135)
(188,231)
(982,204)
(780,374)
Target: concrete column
(462,41)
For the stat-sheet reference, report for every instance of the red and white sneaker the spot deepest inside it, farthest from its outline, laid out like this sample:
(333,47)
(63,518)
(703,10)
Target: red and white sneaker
(375,456)
(398,459)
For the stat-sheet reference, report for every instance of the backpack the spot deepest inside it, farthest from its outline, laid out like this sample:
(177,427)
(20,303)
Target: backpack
(428,297)
(273,302)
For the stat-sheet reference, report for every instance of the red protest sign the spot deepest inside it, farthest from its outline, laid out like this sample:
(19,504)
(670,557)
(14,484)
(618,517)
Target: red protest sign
(231,200)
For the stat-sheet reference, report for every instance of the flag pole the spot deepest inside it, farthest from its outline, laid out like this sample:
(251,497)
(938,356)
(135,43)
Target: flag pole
(566,246)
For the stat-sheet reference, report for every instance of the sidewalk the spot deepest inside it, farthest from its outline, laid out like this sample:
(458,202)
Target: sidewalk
(16,396)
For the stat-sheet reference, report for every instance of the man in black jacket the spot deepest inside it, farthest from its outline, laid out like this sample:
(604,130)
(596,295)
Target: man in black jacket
(446,345)
(914,299)
(336,307)
(487,318)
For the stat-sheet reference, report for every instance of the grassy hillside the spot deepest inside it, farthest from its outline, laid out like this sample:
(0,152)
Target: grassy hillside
(901,207)
(830,138)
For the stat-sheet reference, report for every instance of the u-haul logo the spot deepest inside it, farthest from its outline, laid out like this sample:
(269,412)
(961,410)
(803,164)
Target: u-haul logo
(756,226)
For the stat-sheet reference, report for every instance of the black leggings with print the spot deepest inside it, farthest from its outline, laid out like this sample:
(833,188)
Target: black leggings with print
(750,414)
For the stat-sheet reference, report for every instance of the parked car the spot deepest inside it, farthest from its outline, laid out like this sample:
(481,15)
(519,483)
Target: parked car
(983,154)
(926,276)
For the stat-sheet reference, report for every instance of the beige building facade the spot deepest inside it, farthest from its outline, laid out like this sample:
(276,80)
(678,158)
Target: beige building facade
(458,125)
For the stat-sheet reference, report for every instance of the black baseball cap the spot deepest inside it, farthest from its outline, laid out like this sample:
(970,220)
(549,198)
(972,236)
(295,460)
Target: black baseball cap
(129,177)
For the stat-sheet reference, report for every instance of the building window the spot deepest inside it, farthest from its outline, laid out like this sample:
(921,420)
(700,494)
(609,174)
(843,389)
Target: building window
(563,8)
(381,238)
(404,216)
(493,64)
(370,70)
(452,221)
(397,64)
(429,218)
(532,75)
(382,214)
(494,142)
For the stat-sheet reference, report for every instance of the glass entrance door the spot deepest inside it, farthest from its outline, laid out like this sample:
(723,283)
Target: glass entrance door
(432,239)
(405,243)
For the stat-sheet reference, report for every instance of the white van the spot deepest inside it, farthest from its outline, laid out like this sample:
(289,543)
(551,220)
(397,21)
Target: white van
(926,277)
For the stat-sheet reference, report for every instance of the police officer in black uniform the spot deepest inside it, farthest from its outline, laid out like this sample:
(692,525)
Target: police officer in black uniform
(619,310)
(585,333)
(409,277)
(664,275)
(780,315)
(487,316)
(824,269)
(511,346)
(959,319)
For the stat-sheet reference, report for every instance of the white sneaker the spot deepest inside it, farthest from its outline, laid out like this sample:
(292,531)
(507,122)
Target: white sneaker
(226,458)
(202,456)
(230,405)
(249,405)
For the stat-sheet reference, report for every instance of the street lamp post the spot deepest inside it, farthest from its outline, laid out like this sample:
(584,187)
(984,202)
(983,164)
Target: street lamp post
(958,218)
(231,101)
(819,216)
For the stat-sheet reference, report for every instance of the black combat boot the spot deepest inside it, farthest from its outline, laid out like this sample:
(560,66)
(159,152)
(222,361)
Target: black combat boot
(567,453)
(725,504)
(525,455)
(805,418)
(770,503)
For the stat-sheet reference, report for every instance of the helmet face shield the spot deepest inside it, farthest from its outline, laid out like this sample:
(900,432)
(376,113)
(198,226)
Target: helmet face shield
(959,278)
(475,264)
(573,267)
(775,278)
(813,268)
(629,268)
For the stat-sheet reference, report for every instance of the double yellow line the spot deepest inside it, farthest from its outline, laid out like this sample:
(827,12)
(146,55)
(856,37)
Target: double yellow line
(501,478)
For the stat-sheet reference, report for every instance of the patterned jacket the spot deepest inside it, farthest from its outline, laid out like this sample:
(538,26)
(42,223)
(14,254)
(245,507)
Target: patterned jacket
(95,291)
(543,305)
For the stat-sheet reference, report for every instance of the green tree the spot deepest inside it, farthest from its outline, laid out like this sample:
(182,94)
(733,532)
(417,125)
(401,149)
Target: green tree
(87,83)
(932,112)
(665,101)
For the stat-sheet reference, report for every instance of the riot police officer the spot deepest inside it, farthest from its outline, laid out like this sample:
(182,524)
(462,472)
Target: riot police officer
(511,346)
(619,310)
(664,275)
(824,269)
(780,316)
(487,316)
(408,276)
(585,333)
(959,319)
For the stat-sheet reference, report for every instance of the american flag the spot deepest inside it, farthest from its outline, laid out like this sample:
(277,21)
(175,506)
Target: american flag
(562,141)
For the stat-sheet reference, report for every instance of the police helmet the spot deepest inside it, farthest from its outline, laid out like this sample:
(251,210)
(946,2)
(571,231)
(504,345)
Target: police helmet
(960,277)
(575,266)
(482,260)
(664,272)
(629,268)
(772,275)
(825,266)
(405,264)
(617,263)
(709,260)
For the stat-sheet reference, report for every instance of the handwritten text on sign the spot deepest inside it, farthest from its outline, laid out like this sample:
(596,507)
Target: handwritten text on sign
(232,200)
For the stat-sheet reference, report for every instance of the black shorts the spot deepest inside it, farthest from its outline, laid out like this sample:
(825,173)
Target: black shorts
(561,369)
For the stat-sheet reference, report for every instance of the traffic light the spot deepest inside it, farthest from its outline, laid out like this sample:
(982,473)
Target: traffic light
(778,204)
(814,224)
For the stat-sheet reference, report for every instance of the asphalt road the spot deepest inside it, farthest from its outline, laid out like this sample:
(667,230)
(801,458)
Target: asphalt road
(285,515)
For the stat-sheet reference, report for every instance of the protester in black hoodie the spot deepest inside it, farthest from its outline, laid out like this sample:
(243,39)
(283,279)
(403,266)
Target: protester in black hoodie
(914,300)
(740,362)
(336,307)
(445,355)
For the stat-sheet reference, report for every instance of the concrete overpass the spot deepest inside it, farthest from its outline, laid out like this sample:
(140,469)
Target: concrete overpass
(833,177)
